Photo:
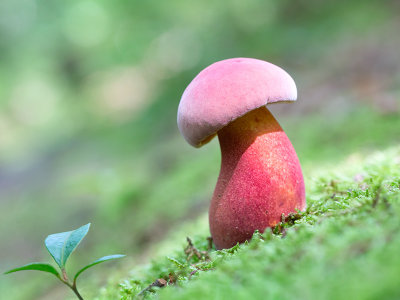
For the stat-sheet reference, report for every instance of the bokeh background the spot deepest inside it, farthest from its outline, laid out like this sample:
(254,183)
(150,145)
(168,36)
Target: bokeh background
(89,91)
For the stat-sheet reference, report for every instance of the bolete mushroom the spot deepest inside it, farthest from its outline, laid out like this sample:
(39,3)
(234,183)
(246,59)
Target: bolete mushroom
(260,177)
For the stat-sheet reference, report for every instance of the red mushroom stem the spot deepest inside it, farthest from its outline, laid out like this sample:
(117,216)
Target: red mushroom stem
(260,179)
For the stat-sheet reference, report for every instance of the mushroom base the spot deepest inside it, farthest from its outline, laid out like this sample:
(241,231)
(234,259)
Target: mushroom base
(260,179)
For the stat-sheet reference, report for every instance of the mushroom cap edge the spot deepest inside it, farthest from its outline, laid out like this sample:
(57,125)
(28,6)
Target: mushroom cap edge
(227,90)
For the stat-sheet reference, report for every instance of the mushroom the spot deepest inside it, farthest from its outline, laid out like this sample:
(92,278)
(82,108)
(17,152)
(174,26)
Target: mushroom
(260,177)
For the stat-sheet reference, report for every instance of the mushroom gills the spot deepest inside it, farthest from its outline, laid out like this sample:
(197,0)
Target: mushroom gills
(260,179)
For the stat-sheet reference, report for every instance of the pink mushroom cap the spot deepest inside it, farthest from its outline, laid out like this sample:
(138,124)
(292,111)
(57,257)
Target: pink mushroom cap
(227,90)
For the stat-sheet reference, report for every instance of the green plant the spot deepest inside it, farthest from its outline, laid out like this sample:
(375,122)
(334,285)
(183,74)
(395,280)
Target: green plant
(60,247)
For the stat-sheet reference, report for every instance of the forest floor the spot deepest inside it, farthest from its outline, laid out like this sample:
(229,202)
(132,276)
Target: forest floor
(345,245)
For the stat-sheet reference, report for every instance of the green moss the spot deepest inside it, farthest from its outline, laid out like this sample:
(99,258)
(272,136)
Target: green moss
(344,246)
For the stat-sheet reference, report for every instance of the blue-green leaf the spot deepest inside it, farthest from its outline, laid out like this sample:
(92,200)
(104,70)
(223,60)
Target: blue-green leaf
(100,260)
(61,245)
(36,267)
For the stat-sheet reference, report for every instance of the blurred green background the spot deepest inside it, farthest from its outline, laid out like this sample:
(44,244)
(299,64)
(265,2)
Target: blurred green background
(89,91)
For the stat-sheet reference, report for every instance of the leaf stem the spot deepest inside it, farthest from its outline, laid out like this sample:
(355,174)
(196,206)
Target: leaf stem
(73,287)
(64,279)
(64,275)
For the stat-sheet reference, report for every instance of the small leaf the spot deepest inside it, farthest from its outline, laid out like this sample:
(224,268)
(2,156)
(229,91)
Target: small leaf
(177,263)
(100,260)
(61,245)
(36,267)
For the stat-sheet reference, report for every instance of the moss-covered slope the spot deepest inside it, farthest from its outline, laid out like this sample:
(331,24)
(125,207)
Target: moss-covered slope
(345,246)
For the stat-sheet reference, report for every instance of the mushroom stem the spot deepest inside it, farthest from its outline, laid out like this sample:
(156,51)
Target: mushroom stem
(260,179)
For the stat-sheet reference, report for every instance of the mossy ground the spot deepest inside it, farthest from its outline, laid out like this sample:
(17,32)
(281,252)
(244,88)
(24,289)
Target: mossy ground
(346,245)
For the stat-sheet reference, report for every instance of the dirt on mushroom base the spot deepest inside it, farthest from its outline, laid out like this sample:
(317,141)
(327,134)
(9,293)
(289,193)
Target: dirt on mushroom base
(349,238)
